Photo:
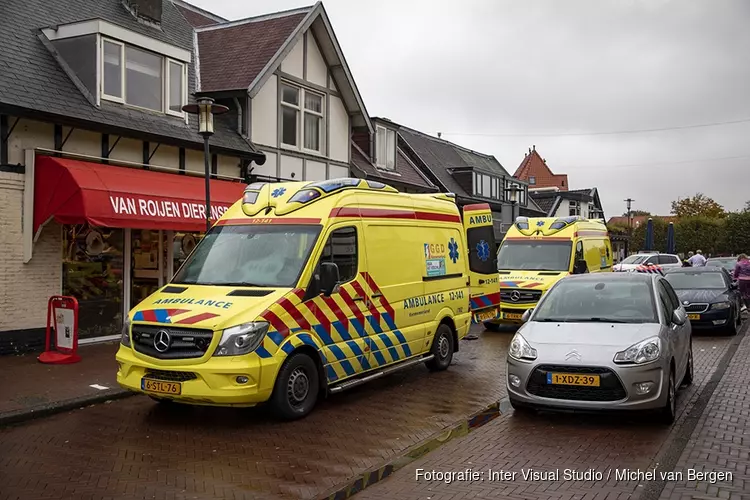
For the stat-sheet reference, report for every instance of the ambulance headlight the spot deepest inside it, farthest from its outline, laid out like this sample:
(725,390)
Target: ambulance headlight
(241,339)
(125,337)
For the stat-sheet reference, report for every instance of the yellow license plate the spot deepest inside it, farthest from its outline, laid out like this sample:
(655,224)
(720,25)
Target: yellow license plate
(512,316)
(573,379)
(694,316)
(160,386)
(486,315)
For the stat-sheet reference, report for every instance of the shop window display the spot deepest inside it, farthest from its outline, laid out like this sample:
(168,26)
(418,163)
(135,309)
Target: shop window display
(93,274)
(183,245)
(145,264)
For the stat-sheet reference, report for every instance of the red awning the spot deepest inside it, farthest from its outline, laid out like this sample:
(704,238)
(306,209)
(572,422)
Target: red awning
(74,192)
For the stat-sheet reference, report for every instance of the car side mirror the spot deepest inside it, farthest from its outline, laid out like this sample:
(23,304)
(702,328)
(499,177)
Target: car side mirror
(734,285)
(580,267)
(329,277)
(678,317)
(526,315)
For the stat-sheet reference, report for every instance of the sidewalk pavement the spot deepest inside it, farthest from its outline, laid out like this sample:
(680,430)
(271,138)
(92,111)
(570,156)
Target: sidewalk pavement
(32,389)
(719,446)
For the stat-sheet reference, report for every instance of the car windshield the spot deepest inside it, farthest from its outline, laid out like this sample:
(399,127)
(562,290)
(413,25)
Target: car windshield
(725,263)
(250,255)
(534,255)
(697,280)
(608,301)
(635,259)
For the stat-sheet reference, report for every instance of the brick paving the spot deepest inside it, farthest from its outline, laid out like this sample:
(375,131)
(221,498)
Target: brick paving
(720,443)
(549,442)
(29,385)
(135,448)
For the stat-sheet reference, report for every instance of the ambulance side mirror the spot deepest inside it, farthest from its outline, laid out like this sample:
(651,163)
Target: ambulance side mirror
(580,267)
(329,277)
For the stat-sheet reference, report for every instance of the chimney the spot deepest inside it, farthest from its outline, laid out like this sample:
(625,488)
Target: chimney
(533,147)
(145,10)
(439,134)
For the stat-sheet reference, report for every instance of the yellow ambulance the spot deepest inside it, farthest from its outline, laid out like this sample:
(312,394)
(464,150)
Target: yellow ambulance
(537,252)
(304,289)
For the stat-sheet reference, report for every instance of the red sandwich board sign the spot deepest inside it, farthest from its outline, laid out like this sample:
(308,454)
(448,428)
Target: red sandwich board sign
(62,317)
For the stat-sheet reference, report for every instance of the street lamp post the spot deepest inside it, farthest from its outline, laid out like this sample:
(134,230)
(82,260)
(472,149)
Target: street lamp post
(206,108)
(511,194)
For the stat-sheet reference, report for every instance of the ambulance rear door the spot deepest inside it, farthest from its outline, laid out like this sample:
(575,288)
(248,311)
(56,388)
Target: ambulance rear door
(484,280)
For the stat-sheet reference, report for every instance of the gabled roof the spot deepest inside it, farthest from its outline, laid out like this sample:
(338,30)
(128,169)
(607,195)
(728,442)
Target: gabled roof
(34,82)
(197,17)
(549,201)
(233,54)
(440,156)
(406,172)
(242,55)
(547,204)
(535,166)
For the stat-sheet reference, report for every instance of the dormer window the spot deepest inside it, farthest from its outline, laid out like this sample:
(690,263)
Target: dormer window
(385,148)
(143,79)
(532,180)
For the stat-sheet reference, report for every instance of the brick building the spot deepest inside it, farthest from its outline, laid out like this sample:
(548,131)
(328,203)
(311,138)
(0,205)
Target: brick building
(101,188)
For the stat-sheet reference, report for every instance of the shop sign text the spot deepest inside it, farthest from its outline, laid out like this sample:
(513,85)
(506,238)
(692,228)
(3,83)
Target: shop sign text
(123,205)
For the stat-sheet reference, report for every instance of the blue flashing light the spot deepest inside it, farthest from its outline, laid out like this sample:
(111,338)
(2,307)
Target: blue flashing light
(304,196)
(332,185)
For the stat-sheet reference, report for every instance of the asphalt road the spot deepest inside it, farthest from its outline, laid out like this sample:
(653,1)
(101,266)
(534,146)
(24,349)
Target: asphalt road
(135,448)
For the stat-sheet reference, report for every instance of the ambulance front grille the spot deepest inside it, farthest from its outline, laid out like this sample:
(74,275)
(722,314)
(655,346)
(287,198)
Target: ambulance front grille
(516,296)
(165,342)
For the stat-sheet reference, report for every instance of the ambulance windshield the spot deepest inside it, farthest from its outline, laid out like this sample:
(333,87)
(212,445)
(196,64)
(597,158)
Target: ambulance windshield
(250,255)
(534,255)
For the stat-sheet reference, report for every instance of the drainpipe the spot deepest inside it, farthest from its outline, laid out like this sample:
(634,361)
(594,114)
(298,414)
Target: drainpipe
(239,115)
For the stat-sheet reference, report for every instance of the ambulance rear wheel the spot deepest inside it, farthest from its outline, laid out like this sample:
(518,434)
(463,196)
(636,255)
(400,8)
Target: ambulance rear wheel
(442,349)
(297,387)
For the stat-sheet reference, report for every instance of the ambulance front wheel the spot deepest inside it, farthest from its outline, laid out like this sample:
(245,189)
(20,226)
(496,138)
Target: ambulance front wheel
(442,349)
(297,386)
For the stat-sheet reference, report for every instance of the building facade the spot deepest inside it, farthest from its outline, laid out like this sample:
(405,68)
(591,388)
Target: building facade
(101,172)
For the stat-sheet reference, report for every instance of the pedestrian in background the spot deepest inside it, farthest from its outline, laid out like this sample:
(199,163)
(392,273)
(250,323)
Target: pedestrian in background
(698,259)
(742,275)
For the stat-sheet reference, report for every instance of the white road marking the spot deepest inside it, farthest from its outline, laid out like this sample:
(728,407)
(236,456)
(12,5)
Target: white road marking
(100,387)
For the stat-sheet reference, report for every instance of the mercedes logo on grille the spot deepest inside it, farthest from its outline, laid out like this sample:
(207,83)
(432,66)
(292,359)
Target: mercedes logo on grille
(162,341)
(573,354)
(515,295)
(687,302)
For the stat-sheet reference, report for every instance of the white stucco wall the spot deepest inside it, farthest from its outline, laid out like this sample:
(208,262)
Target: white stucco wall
(317,69)
(293,63)
(264,112)
(29,134)
(268,168)
(339,130)
(315,171)
(290,165)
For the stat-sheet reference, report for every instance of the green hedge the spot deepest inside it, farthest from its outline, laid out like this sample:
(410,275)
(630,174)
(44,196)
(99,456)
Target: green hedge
(730,235)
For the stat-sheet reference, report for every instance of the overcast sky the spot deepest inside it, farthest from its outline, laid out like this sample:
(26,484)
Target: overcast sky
(484,71)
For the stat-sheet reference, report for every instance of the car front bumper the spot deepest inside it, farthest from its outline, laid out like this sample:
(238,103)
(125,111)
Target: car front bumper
(712,318)
(527,384)
(210,382)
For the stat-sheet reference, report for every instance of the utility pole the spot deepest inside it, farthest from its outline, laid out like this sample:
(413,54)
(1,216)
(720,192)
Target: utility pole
(629,204)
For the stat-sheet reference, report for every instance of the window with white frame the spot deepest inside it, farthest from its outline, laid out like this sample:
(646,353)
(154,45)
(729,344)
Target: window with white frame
(302,118)
(574,208)
(144,79)
(488,186)
(385,148)
(532,180)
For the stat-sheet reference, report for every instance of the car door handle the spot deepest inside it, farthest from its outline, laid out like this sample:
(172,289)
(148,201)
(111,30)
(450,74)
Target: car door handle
(376,295)
(358,299)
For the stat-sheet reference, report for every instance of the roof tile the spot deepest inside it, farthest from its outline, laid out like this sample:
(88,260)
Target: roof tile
(405,172)
(231,57)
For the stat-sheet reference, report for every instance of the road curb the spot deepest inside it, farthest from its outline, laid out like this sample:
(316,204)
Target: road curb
(458,429)
(19,416)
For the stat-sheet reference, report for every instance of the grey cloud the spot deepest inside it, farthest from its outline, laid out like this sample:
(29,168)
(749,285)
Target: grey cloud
(550,66)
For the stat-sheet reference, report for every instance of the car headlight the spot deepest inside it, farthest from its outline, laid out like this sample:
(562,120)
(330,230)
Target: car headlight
(643,352)
(241,339)
(720,306)
(520,349)
(125,336)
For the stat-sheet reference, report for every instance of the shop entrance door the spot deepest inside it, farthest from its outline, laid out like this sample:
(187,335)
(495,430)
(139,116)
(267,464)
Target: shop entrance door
(147,263)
